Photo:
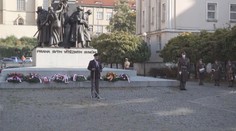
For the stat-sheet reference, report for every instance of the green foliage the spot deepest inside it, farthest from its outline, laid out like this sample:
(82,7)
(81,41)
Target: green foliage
(219,45)
(11,46)
(124,19)
(116,46)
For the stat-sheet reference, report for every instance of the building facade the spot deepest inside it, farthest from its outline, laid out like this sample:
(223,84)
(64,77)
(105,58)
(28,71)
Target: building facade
(160,20)
(18,16)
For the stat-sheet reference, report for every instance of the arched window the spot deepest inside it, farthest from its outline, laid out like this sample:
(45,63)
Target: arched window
(20,21)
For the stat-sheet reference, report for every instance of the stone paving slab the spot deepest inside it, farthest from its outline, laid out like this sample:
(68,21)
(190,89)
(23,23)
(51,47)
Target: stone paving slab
(200,108)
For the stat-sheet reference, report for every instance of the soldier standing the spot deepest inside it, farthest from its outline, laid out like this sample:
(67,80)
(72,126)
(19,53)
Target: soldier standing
(216,71)
(43,27)
(87,36)
(230,73)
(183,70)
(77,28)
(201,69)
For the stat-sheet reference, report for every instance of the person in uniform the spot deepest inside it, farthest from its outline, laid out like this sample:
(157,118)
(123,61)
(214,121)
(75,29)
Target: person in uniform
(95,68)
(201,69)
(43,27)
(216,72)
(87,36)
(230,73)
(183,70)
(77,28)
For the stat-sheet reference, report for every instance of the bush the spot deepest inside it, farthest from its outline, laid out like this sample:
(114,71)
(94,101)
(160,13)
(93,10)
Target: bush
(164,72)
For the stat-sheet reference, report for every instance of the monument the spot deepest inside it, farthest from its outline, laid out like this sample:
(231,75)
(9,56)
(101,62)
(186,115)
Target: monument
(63,40)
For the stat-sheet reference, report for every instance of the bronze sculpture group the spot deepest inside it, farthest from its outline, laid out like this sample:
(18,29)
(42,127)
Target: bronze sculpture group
(56,28)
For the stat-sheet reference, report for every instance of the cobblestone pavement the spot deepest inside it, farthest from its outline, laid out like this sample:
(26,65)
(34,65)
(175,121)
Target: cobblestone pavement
(200,108)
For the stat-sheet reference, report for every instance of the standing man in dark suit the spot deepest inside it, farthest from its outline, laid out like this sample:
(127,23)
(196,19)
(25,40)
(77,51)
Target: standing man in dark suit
(183,68)
(95,68)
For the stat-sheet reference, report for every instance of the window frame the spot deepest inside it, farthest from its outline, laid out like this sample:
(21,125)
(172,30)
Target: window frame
(215,11)
(20,5)
(100,15)
(163,12)
(230,12)
(108,15)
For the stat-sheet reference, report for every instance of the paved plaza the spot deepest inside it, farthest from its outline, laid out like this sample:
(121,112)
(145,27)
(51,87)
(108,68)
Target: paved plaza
(200,108)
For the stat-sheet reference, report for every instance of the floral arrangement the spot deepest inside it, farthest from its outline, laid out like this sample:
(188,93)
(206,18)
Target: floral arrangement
(15,77)
(110,76)
(124,77)
(76,77)
(45,79)
(33,78)
(60,78)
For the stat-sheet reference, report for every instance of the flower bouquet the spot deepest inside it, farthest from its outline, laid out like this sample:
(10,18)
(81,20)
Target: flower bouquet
(15,77)
(79,78)
(45,80)
(124,77)
(110,76)
(32,78)
(63,78)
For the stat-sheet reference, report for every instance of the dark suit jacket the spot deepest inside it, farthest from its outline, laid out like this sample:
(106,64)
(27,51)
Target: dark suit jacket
(98,69)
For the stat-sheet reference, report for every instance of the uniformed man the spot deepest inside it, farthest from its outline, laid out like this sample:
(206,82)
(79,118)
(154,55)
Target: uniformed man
(216,71)
(183,70)
(201,69)
(230,73)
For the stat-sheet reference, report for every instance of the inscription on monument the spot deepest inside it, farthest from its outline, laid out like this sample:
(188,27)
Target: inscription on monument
(66,52)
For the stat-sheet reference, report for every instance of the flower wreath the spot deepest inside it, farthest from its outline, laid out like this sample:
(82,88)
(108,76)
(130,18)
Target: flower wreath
(45,79)
(124,77)
(15,77)
(60,78)
(78,78)
(110,76)
(33,78)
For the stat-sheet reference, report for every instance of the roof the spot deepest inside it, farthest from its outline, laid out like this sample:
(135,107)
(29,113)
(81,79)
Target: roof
(101,2)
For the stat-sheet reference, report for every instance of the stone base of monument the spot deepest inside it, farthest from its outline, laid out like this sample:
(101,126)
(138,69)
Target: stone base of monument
(50,61)
(62,57)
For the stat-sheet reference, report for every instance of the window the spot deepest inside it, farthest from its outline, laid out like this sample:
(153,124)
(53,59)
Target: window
(211,11)
(99,15)
(20,5)
(109,15)
(233,12)
(143,18)
(153,15)
(163,14)
(99,29)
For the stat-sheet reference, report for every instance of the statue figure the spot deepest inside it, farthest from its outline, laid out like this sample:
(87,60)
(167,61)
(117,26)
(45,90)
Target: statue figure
(77,28)
(43,27)
(55,26)
(62,15)
(87,36)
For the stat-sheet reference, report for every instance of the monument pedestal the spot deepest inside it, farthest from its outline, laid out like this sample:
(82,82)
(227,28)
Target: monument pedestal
(62,57)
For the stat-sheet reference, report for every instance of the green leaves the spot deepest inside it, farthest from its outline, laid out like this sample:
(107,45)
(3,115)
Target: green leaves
(219,45)
(116,46)
(124,18)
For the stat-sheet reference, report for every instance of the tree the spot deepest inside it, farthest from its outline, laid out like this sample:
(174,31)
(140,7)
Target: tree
(116,46)
(124,18)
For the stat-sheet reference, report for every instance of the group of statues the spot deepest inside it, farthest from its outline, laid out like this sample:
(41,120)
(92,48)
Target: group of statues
(56,28)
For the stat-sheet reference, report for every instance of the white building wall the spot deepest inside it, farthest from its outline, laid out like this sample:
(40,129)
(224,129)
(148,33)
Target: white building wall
(180,16)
